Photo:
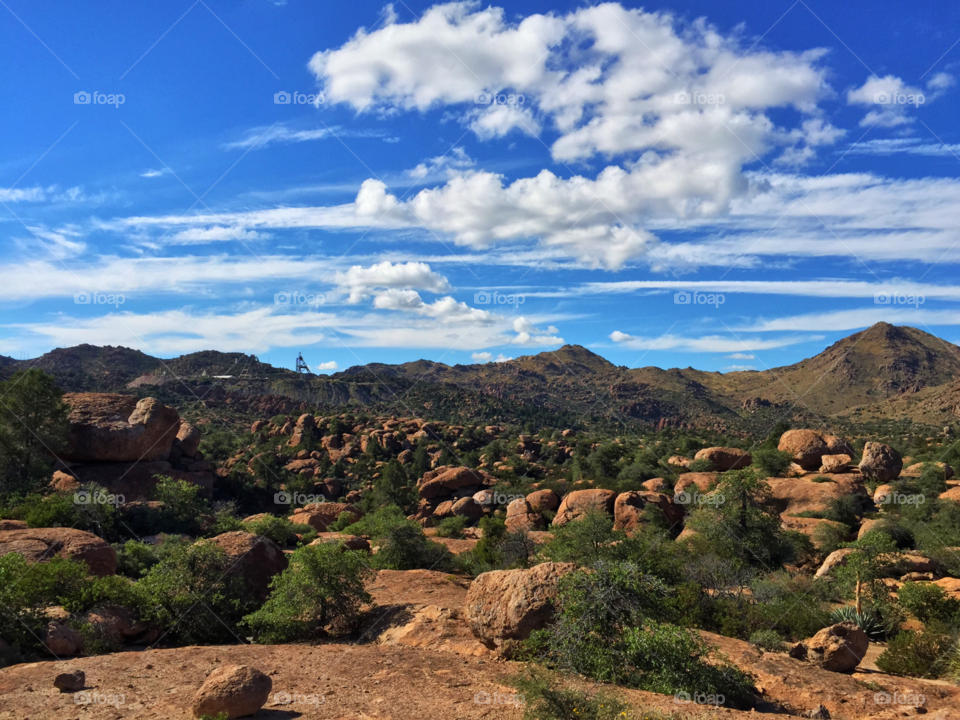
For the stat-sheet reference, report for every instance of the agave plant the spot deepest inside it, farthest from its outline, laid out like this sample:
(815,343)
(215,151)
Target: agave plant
(867,620)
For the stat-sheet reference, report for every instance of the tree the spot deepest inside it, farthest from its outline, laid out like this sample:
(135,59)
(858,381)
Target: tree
(737,520)
(33,428)
(391,488)
(322,587)
(872,556)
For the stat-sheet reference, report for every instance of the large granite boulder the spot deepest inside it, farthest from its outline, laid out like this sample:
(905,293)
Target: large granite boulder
(105,427)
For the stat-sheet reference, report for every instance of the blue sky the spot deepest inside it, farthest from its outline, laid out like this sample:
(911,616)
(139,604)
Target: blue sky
(729,190)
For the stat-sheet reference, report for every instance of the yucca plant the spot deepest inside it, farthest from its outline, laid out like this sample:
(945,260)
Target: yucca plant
(867,620)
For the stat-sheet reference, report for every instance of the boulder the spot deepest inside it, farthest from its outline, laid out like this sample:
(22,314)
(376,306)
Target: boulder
(838,648)
(41,544)
(866,526)
(189,438)
(349,542)
(679,461)
(835,463)
(506,605)
(916,470)
(521,517)
(881,462)
(118,428)
(702,481)
(629,506)
(12,525)
(543,500)
(236,690)
(254,558)
(115,622)
(806,447)
(61,641)
(469,508)
(953,495)
(320,516)
(792,496)
(838,446)
(883,494)
(72,681)
(724,458)
(578,503)
(449,481)
(658,485)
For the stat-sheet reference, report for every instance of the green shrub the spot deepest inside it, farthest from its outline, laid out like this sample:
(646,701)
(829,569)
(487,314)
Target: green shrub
(772,463)
(544,698)
(584,541)
(926,602)
(610,628)
(26,591)
(918,654)
(828,537)
(182,506)
(193,598)
(701,465)
(279,529)
(322,587)
(768,640)
(405,547)
(135,558)
(452,527)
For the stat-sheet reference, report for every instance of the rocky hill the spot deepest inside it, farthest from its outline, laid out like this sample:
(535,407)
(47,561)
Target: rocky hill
(883,372)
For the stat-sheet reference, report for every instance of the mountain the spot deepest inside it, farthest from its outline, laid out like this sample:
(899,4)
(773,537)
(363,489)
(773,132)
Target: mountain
(883,372)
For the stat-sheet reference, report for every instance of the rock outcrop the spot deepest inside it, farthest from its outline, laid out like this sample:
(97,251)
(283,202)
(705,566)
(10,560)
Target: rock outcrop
(881,462)
(106,427)
(254,558)
(578,503)
(41,544)
(506,605)
(725,458)
(838,648)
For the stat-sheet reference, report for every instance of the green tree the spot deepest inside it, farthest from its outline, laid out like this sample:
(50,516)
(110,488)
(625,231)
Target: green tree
(33,426)
(322,587)
(392,487)
(873,555)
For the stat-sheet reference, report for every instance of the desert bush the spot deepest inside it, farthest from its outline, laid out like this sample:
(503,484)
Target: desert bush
(405,547)
(452,527)
(135,558)
(545,698)
(827,537)
(768,640)
(191,596)
(702,465)
(323,587)
(26,591)
(610,628)
(928,602)
(918,654)
(584,541)
(771,462)
(279,529)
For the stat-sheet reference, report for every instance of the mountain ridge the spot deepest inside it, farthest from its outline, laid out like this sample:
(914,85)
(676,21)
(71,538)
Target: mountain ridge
(875,371)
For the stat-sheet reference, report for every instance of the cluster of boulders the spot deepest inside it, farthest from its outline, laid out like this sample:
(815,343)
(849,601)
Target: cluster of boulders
(454,491)
(124,444)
